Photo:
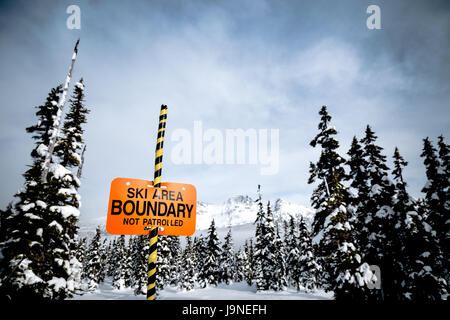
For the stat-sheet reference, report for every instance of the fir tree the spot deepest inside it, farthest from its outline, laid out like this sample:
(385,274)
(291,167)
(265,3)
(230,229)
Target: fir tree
(187,279)
(342,269)
(415,246)
(436,211)
(444,232)
(293,254)
(358,189)
(211,264)
(307,268)
(27,264)
(265,252)
(129,264)
(120,264)
(201,253)
(175,248)
(163,264)
(110,265)
(378,217)
(141,264)
(280,259)
(94,262)
(248,263)
(227,261)
(63,198)
(239,271)
(70,145)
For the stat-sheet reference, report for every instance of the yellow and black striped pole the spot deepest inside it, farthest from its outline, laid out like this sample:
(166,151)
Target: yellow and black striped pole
(151,280)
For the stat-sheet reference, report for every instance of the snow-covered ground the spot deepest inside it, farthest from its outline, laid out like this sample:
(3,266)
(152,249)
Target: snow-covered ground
(235,291)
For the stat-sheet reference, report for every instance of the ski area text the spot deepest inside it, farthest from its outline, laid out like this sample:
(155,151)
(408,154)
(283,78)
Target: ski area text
(135,206)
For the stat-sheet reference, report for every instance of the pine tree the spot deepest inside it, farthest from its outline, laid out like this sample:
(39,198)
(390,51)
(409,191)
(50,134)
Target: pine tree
(280,269)
(307,268)
(79,273)
(211,264)
(120,264)
(27,264)
(63,198)
(261,274)
(94,263)
(110,265)
(293,254)
(265,252)
(140,264)
(129,264)
(81,257)
(415,247)
(239,271)
(406,225)
(104,258)
(163,263)
(227,260)
(358,190)
(342,269)
(435,210)
(378,217)
(201,252)
(70,146)
(444,232)
(436,191)
(175,248)
(187,279)
(248,262)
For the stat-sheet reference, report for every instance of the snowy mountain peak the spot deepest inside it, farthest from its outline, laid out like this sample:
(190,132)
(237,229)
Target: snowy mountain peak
(242,209)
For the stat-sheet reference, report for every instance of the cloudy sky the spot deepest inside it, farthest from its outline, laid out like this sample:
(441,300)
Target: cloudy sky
(229,64)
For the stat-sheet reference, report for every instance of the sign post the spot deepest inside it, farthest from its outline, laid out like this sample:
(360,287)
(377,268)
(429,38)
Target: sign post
(151,280)
(166,208)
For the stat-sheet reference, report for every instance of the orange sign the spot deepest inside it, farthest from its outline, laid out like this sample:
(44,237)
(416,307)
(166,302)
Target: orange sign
(135,206)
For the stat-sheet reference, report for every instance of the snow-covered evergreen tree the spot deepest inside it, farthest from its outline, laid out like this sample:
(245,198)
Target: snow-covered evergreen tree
(70,145)
(307,267)
(358,190)
(280,269)
(378,217)
(248,263)
(94,265)
(63,198)
(201,252)
(435,213)
(175,255)
(129,264)
(293,254)
(239,271)
(141,264)
(187,277)
(110,264)
(211,271)
(163,264)
(27,264)
(443,233)
(342,269)
(120,264)
(265,255)
(227,260)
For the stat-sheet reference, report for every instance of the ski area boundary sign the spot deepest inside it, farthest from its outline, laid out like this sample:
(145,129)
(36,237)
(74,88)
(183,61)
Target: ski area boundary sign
(135,206)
